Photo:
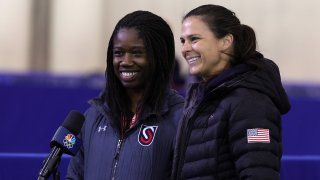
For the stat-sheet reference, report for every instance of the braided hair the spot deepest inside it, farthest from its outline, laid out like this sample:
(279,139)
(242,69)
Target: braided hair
(158,40)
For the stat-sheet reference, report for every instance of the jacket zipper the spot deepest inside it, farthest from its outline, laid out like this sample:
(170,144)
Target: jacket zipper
(183,142)
(196,108)
(188,128)
(116,159)
(119,145)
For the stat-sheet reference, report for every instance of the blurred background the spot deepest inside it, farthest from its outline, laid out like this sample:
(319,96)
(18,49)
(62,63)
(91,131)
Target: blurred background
(52,61)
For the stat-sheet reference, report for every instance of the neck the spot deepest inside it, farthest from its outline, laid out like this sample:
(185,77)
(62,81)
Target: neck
(135,97)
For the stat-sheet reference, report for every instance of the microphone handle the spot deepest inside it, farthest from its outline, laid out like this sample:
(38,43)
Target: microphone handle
(51,163)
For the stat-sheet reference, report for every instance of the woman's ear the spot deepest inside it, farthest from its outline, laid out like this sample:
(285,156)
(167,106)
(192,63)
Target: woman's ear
(226,42)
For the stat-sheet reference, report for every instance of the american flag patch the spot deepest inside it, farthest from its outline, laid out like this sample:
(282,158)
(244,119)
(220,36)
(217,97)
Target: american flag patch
(258,135)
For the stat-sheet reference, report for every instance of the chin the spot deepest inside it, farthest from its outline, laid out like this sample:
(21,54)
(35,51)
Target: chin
(195,73)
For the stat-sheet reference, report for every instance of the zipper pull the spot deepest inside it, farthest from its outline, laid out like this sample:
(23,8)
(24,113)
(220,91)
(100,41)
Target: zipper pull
(118,149)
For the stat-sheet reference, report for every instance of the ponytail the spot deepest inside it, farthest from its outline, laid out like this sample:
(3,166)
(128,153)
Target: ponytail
(247,42)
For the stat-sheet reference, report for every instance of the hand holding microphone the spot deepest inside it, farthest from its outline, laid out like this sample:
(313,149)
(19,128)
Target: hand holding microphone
(64,141)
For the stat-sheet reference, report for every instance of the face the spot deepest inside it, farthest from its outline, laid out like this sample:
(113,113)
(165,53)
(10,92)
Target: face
(201,49)
(130,59)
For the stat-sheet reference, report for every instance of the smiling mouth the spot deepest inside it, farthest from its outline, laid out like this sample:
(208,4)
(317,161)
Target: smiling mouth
(128,75)
(193,60)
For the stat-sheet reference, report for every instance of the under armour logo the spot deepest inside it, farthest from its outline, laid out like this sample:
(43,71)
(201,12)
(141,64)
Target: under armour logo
(211,117)
(104,128)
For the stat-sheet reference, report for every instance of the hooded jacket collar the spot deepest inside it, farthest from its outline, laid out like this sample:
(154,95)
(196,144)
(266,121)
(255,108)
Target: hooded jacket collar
(265,79)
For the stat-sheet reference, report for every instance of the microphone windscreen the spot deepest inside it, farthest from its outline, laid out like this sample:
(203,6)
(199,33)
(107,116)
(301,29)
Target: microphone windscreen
(74,122)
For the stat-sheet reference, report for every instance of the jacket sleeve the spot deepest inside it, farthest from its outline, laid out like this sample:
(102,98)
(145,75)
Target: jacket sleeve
(255,159)
(75,168)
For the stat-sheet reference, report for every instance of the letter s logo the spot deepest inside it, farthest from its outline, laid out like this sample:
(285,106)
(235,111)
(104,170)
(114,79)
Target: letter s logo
(147,134)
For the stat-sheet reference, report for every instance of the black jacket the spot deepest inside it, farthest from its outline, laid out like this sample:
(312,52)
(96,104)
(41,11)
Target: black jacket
(221,118)
(144,153)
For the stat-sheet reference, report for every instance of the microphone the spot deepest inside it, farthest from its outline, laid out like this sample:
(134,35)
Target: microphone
(65,140)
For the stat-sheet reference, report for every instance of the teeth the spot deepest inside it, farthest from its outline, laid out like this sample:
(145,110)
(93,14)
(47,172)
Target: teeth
(193,60)
(128,74)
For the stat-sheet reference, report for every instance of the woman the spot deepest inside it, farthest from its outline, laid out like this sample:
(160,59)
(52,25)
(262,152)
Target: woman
(129,130)
(231,127)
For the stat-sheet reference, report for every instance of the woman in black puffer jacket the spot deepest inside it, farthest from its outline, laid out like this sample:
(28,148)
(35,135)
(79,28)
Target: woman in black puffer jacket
(231,127)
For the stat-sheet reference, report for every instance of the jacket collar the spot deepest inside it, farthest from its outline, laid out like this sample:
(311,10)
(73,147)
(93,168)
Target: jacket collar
(224,80)
(104,108)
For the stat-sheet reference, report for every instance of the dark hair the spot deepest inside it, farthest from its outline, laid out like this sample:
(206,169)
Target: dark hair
(158,40)
(222,22)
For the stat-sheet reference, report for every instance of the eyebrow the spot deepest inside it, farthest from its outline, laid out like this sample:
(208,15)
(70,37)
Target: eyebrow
(133,47)
(190,35)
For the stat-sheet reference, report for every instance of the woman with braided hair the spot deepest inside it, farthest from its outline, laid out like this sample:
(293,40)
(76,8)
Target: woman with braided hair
(129,130)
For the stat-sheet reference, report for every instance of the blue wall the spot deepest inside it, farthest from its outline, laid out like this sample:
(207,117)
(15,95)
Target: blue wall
(33,106)
(301,148)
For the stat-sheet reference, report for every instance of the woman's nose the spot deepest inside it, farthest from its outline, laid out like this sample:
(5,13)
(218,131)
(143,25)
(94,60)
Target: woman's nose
(127,59)
(186,46)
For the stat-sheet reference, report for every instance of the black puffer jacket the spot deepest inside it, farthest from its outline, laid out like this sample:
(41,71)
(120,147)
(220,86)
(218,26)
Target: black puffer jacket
(214,139)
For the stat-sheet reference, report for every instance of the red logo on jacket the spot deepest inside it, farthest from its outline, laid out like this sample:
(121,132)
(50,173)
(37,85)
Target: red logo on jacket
(147,134)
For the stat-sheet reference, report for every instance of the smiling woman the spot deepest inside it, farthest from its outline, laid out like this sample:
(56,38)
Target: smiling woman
(130,129)
(130,61)
(196,37)
(231,127)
